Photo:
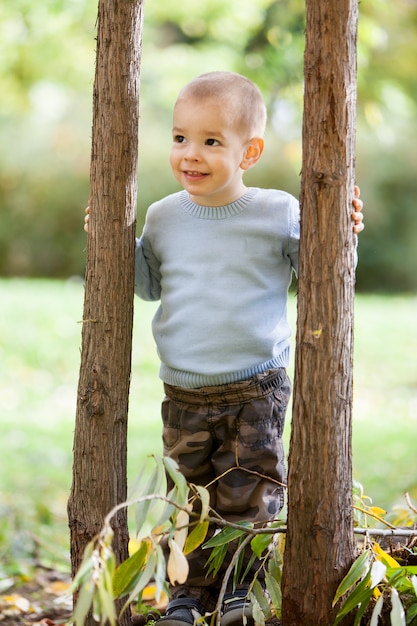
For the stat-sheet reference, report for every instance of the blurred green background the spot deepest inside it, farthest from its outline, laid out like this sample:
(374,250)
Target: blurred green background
(46,76)
(47,52)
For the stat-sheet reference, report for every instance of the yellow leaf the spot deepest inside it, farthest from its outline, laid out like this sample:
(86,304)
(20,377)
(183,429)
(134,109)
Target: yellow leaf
(177,567)
(134,546)
(281,543)
(196,537)
(58,587)
(384,556)
(158,530)
(149,595)
(17,603)
(376,510)
(149,592)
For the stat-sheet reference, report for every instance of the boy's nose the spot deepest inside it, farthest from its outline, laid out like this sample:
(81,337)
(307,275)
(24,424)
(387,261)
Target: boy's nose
(192,153)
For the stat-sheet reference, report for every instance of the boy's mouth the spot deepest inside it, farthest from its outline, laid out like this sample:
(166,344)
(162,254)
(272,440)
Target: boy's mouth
(193,174)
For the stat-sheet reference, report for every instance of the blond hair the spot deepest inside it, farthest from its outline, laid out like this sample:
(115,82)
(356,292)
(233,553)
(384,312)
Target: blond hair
(237,92)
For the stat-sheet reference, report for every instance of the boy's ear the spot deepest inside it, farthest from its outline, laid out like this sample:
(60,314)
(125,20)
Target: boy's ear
(253,153)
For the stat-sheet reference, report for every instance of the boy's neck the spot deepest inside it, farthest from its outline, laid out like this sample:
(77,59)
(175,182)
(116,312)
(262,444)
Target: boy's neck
(211,201)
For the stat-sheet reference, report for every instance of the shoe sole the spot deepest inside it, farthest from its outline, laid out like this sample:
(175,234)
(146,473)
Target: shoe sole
(234,617)
(172,620)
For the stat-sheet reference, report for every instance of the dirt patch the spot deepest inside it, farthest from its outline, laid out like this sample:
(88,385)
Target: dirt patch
(42,601)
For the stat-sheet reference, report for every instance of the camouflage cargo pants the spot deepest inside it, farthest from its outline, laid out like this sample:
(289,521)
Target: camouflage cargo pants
(230,438)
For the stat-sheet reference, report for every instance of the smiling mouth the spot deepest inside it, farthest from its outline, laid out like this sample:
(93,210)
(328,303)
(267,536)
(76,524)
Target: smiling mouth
(193,174)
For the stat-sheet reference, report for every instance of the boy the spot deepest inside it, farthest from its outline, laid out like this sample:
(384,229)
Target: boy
(220,257)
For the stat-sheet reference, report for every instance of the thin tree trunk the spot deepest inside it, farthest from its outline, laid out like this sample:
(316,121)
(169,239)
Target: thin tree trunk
(319,545)
(100,440)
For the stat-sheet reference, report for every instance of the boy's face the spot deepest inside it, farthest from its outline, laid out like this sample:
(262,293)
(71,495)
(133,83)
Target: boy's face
(207,152)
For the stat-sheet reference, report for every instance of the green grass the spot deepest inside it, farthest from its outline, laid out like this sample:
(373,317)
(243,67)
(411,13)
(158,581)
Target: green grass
(40,337)
(385,397)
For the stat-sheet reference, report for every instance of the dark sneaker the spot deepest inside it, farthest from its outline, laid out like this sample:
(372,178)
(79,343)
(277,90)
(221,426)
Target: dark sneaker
(237,610)
(182,612)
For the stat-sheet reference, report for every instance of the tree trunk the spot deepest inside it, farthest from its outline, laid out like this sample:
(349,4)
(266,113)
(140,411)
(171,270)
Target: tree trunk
(319,546)
(100,439)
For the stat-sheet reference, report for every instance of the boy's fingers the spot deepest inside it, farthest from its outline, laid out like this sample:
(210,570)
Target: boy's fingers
(358,204)
(86,219)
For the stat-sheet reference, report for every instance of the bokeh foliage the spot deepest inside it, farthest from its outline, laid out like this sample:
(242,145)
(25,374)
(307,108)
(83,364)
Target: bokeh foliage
(46,76)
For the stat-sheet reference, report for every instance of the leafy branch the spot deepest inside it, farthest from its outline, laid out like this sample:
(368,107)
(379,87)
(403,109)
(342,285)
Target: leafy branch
(375,575)
(171,517)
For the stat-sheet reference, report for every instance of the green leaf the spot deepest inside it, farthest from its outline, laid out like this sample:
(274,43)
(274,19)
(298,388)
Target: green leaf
(226,535)
(238,566)
(96,606)
(407,570)
(156,482)
(259,592)
(257,612)
(160,573)
(84,602)
(85,567)
(397,612)
(356,572)
(144,577)
(399,580)
(216,559)
(411,613)
(411,569)
(167,510)
(205,501)
(274,591)
(196,537)
(108,611)
(142,508)
(249,566)
(362,608)
(126,574)
(178,480)
(360,594)
(109,561)
(275,565)
(260,543)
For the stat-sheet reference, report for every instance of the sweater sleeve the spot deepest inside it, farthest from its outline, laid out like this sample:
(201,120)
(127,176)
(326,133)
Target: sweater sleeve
(293,243)
(147,271)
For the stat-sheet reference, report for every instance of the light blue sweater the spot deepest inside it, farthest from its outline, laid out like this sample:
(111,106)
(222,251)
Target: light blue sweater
(222,275)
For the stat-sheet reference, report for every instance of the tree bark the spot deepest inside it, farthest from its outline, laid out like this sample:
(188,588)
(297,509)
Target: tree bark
(100,439)
(319,545)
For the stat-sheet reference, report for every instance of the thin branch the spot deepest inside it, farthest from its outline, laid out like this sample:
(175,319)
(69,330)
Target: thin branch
(227,575)
(384,532)
(374,515)
(408,500)
(128,503)
(248,471)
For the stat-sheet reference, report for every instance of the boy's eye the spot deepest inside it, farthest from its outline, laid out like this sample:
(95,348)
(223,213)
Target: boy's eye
(212,142)
(179,138)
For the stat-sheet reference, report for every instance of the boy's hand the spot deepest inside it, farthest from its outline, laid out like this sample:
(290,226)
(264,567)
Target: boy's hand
(357,215)
(87,218)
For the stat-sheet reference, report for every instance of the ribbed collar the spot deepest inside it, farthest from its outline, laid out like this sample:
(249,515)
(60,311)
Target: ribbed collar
(216,212)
